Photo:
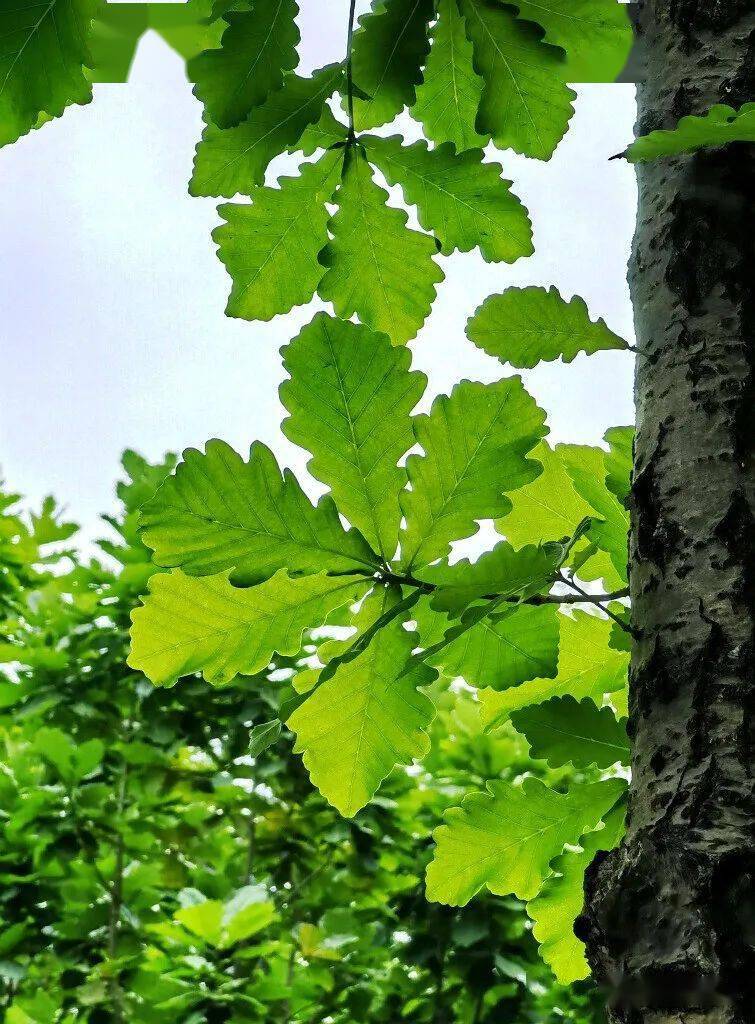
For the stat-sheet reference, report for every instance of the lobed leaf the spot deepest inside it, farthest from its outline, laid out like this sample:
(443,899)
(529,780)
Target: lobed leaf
(587,667)
(556,907)
(551,507)
(564,730)
(44,50)
(349,397)
(475,445)
(720,126)
(618,461)
(188,624)
(503,570)
(459,197)
(389,49)
(523,326)
(596,35)
(363,721)
(270,247)
(526,105)
(256,50)
(451,90)
(506,838)
(377,267)
(219,513)
(500,651)
(233,160)
(587,469)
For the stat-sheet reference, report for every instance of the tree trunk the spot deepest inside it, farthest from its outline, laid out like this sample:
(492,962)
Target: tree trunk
(670,915)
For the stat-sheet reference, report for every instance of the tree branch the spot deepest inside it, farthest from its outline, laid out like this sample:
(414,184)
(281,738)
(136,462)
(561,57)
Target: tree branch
(581,597)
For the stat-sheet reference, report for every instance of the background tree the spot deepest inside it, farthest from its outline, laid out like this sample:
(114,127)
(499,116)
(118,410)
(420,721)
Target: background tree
(157,866)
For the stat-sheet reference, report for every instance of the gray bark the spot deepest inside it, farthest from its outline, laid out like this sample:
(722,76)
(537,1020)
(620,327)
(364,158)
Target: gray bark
(670,914)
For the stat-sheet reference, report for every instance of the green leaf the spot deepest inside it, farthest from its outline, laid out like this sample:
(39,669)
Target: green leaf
(550,507)
(270,247)
(610,526)
(257,48)
(350,397)
(234,160)
(475,446)
(188,28)
(388,52)
(363,721)
(378,603)
(503,571)
(587,667)
(245,914)
(556,907)
(524,326)
(188,624)
(564,730)
(263,736)
(224,924)
(44,48)
(618,461)
(459,197)
(515,645)
(596,35)
(115,34)
(506,838)
(526,105)
(218,512)
(377,267)
(450,93)
(720,126)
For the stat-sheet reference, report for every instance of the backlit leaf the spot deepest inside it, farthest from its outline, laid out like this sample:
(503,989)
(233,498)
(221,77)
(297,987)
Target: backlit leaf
(350,396)
(610,527)
(503,570)
(720,126)
(363,721)
(450,93)
(44,48)
(587,667)
(270,246)
(389,48)
(618,461)
(596,35)
(257,48)
(475,445)
(231,160)
(564,730)
(506,838)
(191,624)
(526,105)
(501,651)
(378,268)
(459,197)
(523,326)
(556,907)
(550,507)
(218,512)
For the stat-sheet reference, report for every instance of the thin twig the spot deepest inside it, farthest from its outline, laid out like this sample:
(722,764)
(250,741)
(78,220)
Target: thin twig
(599,599)
(349,73)
(582,597)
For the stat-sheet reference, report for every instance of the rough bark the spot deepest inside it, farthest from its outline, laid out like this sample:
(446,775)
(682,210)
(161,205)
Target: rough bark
(670,914)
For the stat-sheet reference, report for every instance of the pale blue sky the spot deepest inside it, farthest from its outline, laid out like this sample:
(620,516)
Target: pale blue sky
(112,296)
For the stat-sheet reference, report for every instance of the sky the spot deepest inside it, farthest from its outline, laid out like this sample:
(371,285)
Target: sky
(112,297)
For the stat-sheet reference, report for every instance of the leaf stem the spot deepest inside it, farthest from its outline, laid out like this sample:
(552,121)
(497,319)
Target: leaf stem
(349,74)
